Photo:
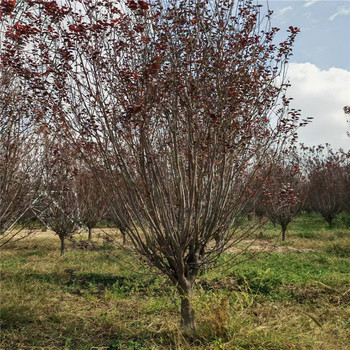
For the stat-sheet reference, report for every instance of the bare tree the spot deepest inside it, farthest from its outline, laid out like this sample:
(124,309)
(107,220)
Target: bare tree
(119,224)
(347,167)
(177,99)
(91,200)
(327,173)
(285,193)
(347,115)
(59,208)
(19,175)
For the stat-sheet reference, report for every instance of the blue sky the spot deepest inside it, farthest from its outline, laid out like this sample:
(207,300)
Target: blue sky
(324,39)
(319,70)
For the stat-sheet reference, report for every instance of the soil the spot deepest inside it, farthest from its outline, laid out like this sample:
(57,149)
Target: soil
(258,245)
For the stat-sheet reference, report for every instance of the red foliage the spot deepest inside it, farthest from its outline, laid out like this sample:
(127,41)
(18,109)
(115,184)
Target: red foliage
(143,5)
(328,175)
(180,103)
(7,6)
(132,5)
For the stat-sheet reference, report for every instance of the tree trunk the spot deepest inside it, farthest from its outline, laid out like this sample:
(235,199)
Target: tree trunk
(90,233)
(284,229)
(124,238)
(62,245)
(329,219)
(124,235)
(187,312)
(330,222)
(217,239)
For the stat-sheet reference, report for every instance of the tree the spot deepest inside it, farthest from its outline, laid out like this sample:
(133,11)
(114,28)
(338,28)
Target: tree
(285,193)
(119,224)
(327,175)
(177,98)
(59,208)
(347,187)
(18,168)
(347,115)
(32,180)
(90,199)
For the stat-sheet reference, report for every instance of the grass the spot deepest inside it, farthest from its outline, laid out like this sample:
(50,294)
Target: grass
(292,299)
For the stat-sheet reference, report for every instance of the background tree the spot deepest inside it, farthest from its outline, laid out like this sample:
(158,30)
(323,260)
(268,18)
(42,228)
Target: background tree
(347,186)
(90,199)
(19,175)
(176,98)
(59,199)
(284,193)
(347,115)
(119,224)
(327,174)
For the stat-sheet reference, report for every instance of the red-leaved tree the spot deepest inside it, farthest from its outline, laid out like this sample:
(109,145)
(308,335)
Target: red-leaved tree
(90,198)
(18,165)
(19,168)
(347,115)
(327,172)
(284,192)
(181,102)
(59,209)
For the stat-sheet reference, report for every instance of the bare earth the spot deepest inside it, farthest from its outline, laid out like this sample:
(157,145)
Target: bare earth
(253,246)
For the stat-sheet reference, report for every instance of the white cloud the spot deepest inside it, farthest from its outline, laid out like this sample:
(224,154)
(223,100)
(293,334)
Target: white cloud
(321,94)
(284,10)
(343,11)
(310,2)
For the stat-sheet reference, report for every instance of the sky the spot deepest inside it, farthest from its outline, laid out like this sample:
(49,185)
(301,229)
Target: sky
(319,70)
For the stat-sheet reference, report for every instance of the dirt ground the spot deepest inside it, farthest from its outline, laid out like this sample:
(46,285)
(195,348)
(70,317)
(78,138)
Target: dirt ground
(253,246)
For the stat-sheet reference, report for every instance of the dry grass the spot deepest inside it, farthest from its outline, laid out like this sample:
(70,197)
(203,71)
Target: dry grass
(105,298)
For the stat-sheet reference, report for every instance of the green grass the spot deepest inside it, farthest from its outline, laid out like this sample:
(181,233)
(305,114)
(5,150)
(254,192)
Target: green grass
(296,297)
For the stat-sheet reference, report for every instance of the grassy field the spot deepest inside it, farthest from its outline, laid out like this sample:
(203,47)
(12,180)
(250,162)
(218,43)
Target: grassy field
(296,297)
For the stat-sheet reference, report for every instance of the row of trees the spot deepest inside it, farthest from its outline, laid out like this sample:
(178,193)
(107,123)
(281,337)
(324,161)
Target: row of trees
(312,179)
(175,112)
(66,195)
(329,182)
(45,185)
